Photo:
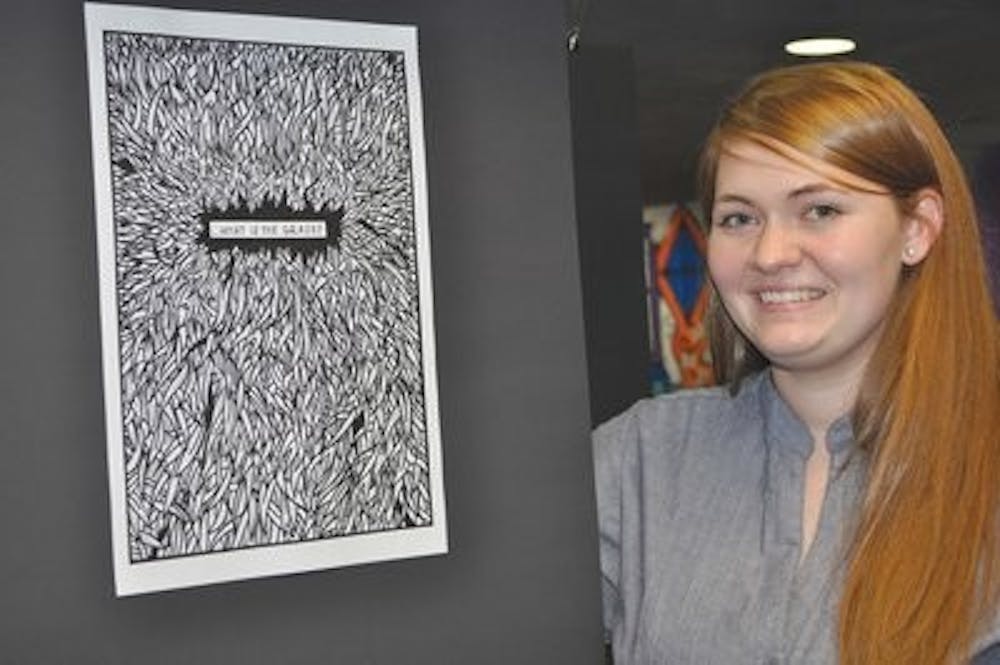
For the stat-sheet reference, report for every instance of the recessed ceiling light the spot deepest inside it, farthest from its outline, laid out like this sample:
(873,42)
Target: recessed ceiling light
(819,46)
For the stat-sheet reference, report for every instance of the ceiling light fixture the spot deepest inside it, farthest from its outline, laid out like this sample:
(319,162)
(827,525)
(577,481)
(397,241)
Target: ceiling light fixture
(820,46)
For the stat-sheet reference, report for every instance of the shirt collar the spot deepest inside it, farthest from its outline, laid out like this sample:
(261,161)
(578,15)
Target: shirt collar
(782,426)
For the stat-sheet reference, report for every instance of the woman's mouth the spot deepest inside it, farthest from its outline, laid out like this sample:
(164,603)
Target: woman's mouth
(786,296)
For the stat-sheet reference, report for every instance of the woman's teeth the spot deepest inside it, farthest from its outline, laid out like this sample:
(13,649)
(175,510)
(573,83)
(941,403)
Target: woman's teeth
(795,295)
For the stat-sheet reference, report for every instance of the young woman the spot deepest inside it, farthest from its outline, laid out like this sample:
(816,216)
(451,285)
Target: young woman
(838,501)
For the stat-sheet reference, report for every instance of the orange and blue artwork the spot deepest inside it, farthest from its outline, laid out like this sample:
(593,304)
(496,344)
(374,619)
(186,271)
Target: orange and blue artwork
(677,291)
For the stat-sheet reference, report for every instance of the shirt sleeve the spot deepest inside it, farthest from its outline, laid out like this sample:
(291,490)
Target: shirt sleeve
(987,645)
(988,656)
(609,443)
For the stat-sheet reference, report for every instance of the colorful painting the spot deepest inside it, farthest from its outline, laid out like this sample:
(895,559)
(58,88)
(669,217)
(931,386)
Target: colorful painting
(677,298)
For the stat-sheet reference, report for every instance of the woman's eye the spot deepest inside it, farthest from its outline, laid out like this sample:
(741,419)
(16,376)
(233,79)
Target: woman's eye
(821,212)
(733,220)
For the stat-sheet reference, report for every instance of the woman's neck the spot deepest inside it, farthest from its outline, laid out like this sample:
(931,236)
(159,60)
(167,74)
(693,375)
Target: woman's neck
(818,398)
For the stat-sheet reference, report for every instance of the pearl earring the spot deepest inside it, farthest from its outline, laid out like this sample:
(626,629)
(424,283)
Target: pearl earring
(909,252)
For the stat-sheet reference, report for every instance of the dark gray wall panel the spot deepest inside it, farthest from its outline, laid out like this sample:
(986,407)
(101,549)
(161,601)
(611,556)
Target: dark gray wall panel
(609,210)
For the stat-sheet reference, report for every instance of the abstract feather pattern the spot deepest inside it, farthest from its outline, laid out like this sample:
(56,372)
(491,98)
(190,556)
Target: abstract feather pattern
(269,395)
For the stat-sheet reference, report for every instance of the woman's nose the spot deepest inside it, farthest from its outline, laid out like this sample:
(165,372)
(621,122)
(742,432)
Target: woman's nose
(777,246)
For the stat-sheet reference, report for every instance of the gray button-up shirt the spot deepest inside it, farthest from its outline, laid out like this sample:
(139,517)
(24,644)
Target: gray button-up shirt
(700,513)
(700,502)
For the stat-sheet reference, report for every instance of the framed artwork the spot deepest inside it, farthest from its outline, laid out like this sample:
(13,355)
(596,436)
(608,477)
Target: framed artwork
(677,297)
(265,288)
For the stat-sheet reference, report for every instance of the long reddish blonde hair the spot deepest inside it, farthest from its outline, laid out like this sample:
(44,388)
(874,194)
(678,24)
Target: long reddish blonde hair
(922,572)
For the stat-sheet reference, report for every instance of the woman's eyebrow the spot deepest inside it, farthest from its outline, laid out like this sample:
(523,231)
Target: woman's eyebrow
(733,198)
(815,188)
(799,192)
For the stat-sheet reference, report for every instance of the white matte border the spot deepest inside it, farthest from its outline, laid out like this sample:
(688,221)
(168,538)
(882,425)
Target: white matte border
(150,576)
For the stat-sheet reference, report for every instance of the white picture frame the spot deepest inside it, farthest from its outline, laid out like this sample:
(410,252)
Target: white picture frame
(265,286)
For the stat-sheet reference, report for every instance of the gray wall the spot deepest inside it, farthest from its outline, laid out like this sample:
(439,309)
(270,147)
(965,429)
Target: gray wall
(609,217)
(520,584)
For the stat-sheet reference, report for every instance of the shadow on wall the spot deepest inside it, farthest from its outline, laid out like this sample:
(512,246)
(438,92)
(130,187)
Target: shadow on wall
(986,185)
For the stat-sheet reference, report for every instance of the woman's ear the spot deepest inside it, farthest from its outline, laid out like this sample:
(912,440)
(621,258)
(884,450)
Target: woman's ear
(923,225)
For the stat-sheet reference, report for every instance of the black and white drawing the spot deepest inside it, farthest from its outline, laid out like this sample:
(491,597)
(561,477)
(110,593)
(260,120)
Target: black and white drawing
(265,288)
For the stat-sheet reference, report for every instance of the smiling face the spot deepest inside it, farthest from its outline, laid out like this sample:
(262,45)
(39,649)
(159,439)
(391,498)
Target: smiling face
(806,257)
